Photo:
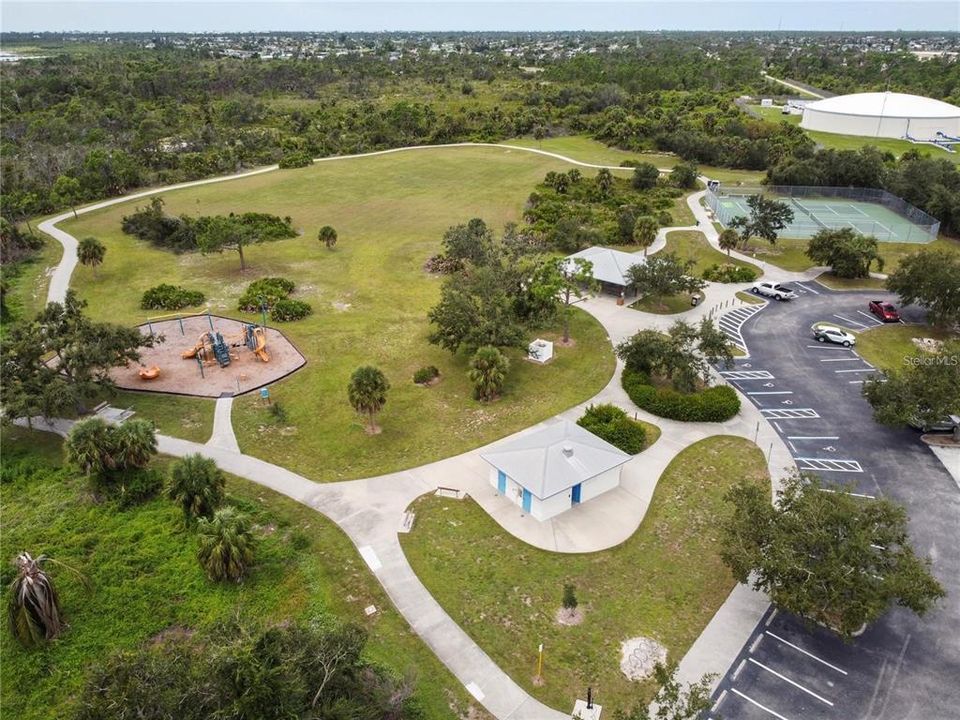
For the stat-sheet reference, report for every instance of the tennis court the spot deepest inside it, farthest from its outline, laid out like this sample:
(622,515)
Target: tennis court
(812,213)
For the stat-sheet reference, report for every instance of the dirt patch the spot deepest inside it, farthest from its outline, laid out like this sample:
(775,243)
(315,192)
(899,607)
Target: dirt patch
(183,376)
(569,617)
(639,655)
(940,440)
(172,633)
(930,345)
(566,344)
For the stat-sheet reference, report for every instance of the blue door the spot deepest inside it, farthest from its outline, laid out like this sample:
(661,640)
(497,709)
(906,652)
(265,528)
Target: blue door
(527,499)
(575,497)
(501,482)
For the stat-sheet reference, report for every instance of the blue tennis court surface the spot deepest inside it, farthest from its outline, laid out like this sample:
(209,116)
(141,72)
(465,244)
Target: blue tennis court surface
(810,215)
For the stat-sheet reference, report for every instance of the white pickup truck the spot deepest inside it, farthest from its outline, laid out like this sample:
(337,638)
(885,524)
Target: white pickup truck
(774,290)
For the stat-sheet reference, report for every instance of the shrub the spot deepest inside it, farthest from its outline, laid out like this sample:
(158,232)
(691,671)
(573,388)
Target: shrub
(425,374)
(268,290)
(170,297)
(729,273)
(569,598)
(610,423)
(287,310)
(297,159)
(664,218)
(137,486)
(278,412)
(713,404)
(443,265)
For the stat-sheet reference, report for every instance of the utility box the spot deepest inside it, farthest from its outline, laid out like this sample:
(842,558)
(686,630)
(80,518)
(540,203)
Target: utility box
(540,351)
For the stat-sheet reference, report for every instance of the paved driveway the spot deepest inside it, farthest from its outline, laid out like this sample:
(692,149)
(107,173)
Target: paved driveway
(903,666)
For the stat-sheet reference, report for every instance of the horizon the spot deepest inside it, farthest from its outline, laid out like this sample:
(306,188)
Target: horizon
(208,17)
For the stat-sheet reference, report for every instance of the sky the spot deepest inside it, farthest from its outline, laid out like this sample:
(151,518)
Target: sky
(400,15)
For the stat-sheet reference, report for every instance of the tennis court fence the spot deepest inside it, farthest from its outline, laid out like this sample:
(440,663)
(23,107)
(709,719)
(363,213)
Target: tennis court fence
(916,225)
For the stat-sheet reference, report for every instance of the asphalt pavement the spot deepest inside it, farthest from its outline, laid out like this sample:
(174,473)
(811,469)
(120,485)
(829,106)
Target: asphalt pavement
(902,667)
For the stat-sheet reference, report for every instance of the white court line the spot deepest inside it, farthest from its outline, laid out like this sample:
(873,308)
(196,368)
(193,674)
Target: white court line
(869,369)
(762,707)
(854,207)
(813,437)
(853,359)
(846,319)
(808,691)
(808,289)
(805,652)
(772,392)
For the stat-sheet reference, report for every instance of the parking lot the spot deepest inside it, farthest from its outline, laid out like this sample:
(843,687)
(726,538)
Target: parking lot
(902,666)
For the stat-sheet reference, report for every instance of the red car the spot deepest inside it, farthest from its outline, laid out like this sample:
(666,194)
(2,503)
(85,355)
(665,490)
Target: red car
(884,311)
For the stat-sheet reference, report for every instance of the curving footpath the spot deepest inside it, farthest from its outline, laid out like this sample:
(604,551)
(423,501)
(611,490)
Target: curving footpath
(370,510)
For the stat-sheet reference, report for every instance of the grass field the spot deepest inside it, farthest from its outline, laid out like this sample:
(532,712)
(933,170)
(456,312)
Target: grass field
(588,150)
(855,142)
(665,582)
(839,283)
(889,346)
(27,281)
(370,298)
(693,245)
(144,577)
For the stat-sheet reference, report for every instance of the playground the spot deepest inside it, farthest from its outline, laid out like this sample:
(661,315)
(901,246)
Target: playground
(208,356)
(886,217)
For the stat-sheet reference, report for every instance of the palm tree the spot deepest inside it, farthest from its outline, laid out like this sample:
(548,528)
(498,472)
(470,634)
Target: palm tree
(134,443)
(488,370)
(34,606)
(226,545)
(328,236)
(197,486)
(367,392)
(645,231)
(729,239)
(91,252)
(89,446)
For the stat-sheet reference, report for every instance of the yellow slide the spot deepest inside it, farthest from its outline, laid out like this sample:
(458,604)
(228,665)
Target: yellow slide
(260,350)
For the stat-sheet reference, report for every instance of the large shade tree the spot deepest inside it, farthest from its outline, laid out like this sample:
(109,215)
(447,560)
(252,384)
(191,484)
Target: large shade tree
(766,218)
(931,279)
(664,274)
(824,554)
(848,253)
(561,282)
(367,392)
(225,232)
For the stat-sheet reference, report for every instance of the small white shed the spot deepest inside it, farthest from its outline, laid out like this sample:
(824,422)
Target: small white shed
(550,470)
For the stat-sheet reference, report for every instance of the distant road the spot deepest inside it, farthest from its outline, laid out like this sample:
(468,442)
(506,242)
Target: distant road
(800,88)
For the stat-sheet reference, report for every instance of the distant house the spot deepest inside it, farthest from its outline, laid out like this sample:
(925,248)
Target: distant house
(609,266)
(552,469)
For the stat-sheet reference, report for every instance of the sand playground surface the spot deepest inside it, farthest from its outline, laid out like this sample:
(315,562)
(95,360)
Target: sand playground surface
(245,372)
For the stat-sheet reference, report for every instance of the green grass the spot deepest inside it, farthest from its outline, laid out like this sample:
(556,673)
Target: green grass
(182,417)
(668,305)
(588,150)
(144,578)
(693,245)
(390,213)
(749,299)
(855,142)
(665,582)
(889,346)
(839,283)
(28,281)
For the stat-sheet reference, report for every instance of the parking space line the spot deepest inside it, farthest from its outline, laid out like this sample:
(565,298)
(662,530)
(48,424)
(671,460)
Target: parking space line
(797,685)
(862,495)
(762,707)
(771,392)
(792,446)
(852,322)
(808,289)
(824,346)
(870,317)
(855,382)
(805,652)
(853,359)
(870,369)
(813,437)
(777,427)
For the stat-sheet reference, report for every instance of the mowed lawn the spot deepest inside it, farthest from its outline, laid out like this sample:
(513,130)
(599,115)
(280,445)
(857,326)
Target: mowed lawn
(693,245)
(370,297)
(665,582)
(586,149)
(144,578)
(890,347)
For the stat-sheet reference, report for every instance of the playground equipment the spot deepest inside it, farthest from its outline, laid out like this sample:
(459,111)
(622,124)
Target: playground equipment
(256,340)
(211,345)
(151,373)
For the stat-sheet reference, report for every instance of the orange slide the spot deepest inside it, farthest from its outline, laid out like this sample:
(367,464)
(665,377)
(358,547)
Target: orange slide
(260,349)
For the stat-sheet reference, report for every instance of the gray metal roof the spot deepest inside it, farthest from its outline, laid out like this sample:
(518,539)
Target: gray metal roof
(554,458)
(609,266)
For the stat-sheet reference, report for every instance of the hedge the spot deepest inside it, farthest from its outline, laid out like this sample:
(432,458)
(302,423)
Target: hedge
(287,310)
(713,404)
(267,290)
(729,273)
(170,297)
(612,424)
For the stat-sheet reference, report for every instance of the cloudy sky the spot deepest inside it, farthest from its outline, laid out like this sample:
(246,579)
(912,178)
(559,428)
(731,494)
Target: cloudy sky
(265,15)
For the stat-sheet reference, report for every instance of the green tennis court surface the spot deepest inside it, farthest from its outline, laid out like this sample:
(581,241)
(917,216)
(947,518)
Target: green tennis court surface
(810,215)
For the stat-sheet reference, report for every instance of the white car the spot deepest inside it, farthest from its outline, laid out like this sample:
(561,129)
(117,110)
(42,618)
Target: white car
(831,333)
(774,290)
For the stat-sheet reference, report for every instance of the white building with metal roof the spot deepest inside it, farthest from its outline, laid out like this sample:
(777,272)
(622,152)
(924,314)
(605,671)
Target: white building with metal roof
(609,266)
(554,468)
(884,114)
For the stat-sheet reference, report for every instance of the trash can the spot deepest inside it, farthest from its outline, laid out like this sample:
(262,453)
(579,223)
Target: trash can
(694,300)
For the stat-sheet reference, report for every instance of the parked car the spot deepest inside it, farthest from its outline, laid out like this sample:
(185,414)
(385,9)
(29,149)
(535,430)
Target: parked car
(947,424)
(774,290)
(831,333)
(884,311)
